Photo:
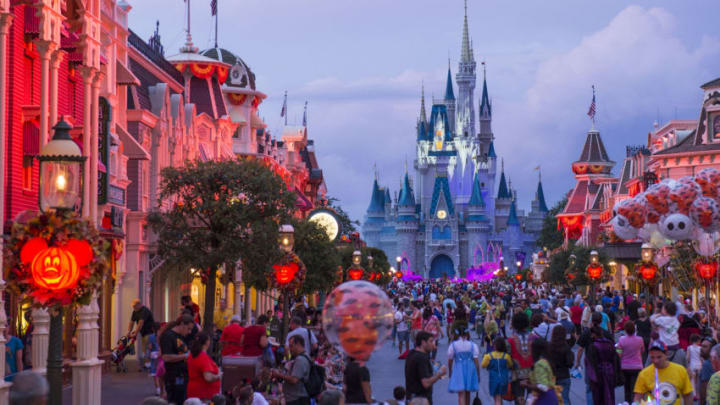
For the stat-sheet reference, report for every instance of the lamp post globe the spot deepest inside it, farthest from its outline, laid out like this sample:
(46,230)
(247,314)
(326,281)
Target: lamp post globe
(61,170)
(287,237)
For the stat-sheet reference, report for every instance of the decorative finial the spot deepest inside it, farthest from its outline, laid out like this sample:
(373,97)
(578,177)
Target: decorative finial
(502,165)
(592,110)
(375,171)
(406,169)
(465,8)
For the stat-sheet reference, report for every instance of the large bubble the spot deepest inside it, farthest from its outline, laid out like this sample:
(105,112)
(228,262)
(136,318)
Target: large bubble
(357,318)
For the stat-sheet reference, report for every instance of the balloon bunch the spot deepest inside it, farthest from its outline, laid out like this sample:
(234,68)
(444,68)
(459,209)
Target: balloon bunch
(687,208)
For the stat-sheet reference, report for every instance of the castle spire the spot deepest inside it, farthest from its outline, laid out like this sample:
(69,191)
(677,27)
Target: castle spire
(466,54)
(476,198)
(449,93)
(485,107)
(512,217)
(503,191)
(423,115)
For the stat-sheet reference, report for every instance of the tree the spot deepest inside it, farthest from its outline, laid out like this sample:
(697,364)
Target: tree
(550,236)
(380,262)
(221,212)
(560,263)
(347,225)
(319,255)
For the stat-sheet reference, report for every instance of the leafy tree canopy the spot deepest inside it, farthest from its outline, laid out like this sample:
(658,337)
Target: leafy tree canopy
(319,255)
(560,263)
(550,236)
(347,225)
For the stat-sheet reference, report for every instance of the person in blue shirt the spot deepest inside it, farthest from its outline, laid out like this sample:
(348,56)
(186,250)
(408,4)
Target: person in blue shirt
(605,318)
(615,303)
(13,355)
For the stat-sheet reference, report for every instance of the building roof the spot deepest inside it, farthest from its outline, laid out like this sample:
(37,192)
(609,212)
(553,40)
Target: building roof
(485,106)
(387,199)
(442,186)
(240,73)
(540,195)
(476,198)
(157,58)
(711,84)
(407,197)
(439,116)
(449,94)
(377,200)
(576,201)
(687,145)
(491,150)
(594,149)
(512,217)
(503,191)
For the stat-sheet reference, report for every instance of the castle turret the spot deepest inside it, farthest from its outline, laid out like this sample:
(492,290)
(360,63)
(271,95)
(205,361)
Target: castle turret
(407,221)
(486,135)
(538,211)
(450,100)
(375,216)
(423,133)
(502,202)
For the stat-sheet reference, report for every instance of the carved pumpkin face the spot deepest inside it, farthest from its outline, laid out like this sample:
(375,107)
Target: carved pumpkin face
(284,273)
(355,274)
(594,271)
(55,269)
(706,270)
(648,271)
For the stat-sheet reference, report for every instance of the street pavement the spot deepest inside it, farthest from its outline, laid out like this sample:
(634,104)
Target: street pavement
(386,372)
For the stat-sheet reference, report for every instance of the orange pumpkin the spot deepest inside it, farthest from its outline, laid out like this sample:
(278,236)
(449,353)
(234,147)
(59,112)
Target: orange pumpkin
(648,271)
(284,273)
(594,271)
(355,274)
(57,267)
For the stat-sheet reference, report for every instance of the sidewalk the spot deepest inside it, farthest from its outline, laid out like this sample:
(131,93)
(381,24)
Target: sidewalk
(121,388)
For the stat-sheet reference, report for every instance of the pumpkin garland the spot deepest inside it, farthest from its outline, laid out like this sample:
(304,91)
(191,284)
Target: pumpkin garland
(62,259)
(288,274)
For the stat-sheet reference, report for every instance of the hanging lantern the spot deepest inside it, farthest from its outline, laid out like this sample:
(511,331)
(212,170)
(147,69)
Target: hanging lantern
(61,168)
(706,271)
(647,271)
(594,271)
(356,258)
(355,274)
(287,237)
(646,252)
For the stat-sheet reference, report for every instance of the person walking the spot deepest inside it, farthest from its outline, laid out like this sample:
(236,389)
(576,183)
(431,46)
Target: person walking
(298,372)
(231,337)
(142,319)
(419,377)
(297,329)
(601,361)
(356,383)
(174,353)
(464,366)
(430,323)
(672,378)
(631,348)
(560,356)
(498,364)
(403,329)
(542,379)
(13,355)
(521,354)
(203,374)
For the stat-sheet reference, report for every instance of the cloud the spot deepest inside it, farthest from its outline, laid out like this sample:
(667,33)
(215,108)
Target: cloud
(638,64)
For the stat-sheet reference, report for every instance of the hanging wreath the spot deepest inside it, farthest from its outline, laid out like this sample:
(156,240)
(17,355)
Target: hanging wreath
(648,272)
(55,259)
(288,274)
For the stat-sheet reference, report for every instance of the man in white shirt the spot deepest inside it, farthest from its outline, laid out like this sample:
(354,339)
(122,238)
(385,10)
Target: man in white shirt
(296,328)
(403,331)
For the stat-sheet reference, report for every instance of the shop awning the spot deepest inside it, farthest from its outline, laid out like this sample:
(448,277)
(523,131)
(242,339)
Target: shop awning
(131,147)
(125,76)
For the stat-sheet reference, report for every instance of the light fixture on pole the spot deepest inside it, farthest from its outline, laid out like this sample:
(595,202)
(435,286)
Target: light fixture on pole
(356,272)
(287,237)
(60,188)
(398,260)
(61,169)
(286,240)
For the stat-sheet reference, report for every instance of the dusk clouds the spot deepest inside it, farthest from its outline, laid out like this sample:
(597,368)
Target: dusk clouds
(361,66)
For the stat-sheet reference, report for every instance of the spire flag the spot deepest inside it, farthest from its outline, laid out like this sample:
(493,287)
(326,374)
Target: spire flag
(592,110)
(305,115)
(283,112)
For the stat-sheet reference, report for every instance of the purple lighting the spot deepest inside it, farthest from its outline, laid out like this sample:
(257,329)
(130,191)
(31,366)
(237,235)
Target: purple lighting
(485,272)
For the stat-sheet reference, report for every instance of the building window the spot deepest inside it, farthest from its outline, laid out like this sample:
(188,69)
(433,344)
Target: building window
(27,173)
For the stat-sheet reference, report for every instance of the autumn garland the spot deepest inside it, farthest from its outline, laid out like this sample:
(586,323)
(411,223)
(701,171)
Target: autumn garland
(56,229)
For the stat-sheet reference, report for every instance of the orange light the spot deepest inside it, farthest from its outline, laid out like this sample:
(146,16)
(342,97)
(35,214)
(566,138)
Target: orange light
(648,271)
(57,267)
(355,274)
(594,271)
(706,270)
(284,273)
(518,277)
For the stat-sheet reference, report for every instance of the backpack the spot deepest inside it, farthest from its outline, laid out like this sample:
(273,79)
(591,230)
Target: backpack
(315,383)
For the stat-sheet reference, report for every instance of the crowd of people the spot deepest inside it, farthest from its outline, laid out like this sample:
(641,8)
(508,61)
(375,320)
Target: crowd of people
(533,341)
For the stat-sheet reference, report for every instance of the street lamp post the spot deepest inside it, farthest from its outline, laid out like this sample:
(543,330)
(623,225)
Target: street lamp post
(287,241)
(60,188)
(594,273)
(398,260)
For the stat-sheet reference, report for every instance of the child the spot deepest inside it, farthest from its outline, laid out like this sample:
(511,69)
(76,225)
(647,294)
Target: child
(694,361)
(398,395)
(154,356)
(499,364)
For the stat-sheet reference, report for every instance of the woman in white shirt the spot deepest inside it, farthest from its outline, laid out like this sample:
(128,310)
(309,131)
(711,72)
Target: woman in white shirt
(464,366)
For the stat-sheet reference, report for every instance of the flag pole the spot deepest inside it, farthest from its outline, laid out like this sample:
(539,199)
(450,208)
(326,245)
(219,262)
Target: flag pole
(217,16)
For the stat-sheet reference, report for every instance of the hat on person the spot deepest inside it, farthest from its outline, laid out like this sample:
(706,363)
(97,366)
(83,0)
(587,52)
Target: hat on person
(599,308)
(658,345)
(135,302)
(235,318)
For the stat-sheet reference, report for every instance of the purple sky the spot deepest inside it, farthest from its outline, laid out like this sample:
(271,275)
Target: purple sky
(360,65)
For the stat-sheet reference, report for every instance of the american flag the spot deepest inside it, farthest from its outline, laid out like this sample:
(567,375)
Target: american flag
(213,7)
(283,112)
(591,110)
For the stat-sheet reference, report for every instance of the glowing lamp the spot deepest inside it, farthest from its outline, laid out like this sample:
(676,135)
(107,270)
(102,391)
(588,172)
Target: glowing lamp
(594,257)
(61,164)
(355,274)
(646,252)
(706,271)
(357,257)
(572,260)
(594,271)
(518,263)
(287,237)
(647,271)
(518,277)
(285,273)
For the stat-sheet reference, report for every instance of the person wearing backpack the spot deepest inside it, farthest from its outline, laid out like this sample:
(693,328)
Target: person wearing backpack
(299,370)
(602,363)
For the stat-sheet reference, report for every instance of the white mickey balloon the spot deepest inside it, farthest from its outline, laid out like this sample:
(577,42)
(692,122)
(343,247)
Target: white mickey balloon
(623,229)
(646,232)
(677,227)
(705,244)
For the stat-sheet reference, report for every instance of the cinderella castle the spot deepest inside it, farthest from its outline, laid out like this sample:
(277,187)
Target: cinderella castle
(454,216)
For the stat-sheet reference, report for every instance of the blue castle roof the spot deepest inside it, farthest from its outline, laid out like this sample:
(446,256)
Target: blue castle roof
(503,191)
(476,198)
(377,200)
(439,114)
(423,133)
(485,101)
(449,94)
(491,150)
(540,195)
(407,197)
(512,217)
(441,186)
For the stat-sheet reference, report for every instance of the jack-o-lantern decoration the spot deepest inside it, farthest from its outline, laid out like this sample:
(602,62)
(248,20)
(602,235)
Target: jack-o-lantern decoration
(357,318)
(594,271)
(706,271)
(518,277)
(355,274)
(647,271)
(56,268)
(284,273)
(571,276)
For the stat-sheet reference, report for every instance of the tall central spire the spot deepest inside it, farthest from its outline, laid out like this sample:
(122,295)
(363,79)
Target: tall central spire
(466,54)
(423,115)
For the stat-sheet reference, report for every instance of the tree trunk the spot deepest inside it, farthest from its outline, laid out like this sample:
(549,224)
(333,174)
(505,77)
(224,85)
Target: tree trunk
(246,306)
(209,314)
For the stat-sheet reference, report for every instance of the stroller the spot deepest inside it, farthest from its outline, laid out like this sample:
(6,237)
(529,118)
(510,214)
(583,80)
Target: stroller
(125,346)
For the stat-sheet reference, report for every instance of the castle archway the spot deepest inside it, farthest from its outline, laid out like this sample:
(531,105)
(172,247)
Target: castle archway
(442,266)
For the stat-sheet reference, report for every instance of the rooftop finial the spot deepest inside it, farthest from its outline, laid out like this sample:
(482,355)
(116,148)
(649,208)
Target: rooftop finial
(375,171)
(502,165)
(466,54)
(423,115)
(188,47)
(592,110)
